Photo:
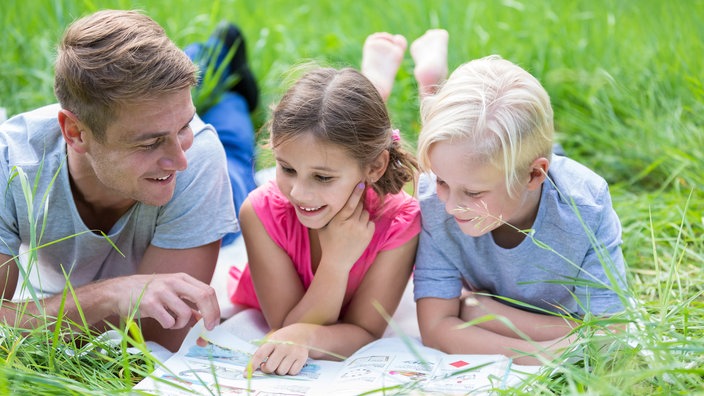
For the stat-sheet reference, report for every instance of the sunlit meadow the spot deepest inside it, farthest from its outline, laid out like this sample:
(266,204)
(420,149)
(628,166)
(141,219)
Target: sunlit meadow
(627,83)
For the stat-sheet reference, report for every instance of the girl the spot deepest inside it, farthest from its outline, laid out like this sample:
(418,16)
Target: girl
(335,234)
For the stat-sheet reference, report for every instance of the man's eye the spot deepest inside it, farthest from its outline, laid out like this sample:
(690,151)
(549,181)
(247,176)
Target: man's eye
(151,146)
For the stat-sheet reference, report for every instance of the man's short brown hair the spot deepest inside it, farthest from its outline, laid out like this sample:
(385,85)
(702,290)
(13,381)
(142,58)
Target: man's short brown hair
(114,57)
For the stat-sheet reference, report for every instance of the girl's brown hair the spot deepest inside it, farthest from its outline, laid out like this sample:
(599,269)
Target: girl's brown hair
(342,107)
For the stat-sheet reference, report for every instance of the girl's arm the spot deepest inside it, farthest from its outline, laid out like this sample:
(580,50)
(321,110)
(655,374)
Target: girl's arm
(384,283)
(342,242)
(383,286)
(441,328)
(275,279)
(280,292)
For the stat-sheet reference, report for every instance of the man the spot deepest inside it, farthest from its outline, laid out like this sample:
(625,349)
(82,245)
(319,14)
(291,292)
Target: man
(132,195)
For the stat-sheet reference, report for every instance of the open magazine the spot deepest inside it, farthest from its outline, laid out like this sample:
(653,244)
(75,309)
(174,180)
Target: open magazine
(391,365)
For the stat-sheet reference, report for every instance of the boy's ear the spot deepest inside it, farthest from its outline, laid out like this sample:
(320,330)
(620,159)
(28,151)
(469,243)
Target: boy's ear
(72,130)
(538,173)
(377,168)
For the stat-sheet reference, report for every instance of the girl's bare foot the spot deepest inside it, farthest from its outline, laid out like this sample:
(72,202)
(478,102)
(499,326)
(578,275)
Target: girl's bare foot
(429,52)
(381,57)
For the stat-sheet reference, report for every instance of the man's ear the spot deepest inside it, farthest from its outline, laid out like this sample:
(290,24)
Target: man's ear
(73,130)
(538,173)
(377,168)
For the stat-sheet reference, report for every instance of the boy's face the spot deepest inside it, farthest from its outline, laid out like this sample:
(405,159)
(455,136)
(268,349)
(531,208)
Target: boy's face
(475,194)
(143,150)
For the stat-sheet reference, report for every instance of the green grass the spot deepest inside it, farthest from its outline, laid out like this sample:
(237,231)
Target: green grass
(626,81)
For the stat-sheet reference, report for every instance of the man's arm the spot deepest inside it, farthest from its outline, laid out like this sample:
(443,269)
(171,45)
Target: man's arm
(26,314)
(172,289)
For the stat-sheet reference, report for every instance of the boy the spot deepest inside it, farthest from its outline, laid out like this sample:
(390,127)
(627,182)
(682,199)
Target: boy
(495,198)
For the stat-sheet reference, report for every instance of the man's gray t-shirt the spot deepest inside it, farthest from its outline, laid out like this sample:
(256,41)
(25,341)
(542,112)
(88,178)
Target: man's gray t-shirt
(547,276)
(200,212)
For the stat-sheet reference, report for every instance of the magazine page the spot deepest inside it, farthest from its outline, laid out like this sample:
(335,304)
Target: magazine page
(219,366)
(403,365)
(392,365)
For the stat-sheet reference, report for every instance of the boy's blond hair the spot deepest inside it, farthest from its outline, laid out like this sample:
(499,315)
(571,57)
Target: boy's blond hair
(113,57)
(497,106)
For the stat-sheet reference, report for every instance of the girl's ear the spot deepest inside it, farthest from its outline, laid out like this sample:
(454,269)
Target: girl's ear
(377,168)
(538,173)
(72,130)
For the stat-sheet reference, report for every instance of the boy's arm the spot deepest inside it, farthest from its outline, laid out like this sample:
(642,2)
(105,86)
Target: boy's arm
(536,326)
(441,328)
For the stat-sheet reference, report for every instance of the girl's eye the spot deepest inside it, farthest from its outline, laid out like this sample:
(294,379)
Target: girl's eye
(323,179)
(287,170)
(472,194)
(440,183)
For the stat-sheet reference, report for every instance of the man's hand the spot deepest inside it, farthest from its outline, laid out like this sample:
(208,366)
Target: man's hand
(173,300)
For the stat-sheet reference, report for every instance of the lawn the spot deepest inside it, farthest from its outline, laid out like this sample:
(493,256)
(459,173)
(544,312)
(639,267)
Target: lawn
(626,79)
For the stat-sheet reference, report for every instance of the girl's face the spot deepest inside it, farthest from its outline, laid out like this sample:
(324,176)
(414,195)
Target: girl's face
(475,193)
(317,178)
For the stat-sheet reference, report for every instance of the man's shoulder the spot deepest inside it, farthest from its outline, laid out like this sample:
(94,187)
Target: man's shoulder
(29,137)
(199,127)
(206,146)
(40,115)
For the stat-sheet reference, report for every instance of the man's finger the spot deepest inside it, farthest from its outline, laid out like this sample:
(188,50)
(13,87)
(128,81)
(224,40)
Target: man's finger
(205,299)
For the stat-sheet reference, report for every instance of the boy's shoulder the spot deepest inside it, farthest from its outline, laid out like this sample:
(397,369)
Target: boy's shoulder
(575,183)
(432,209)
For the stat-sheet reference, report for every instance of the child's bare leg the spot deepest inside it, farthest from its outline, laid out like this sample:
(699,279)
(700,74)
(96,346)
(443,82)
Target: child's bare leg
(381,57)
(429,53)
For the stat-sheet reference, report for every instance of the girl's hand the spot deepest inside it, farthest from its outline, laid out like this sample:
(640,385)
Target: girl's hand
(344,239)
(285,351)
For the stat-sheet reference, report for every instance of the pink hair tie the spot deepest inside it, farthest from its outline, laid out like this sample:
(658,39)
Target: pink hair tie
(395,135)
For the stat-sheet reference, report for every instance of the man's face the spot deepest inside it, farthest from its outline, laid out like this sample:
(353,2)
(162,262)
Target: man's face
(143,148)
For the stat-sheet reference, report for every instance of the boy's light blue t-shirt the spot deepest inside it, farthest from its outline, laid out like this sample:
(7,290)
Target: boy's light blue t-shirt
(200,212)
(570,276)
